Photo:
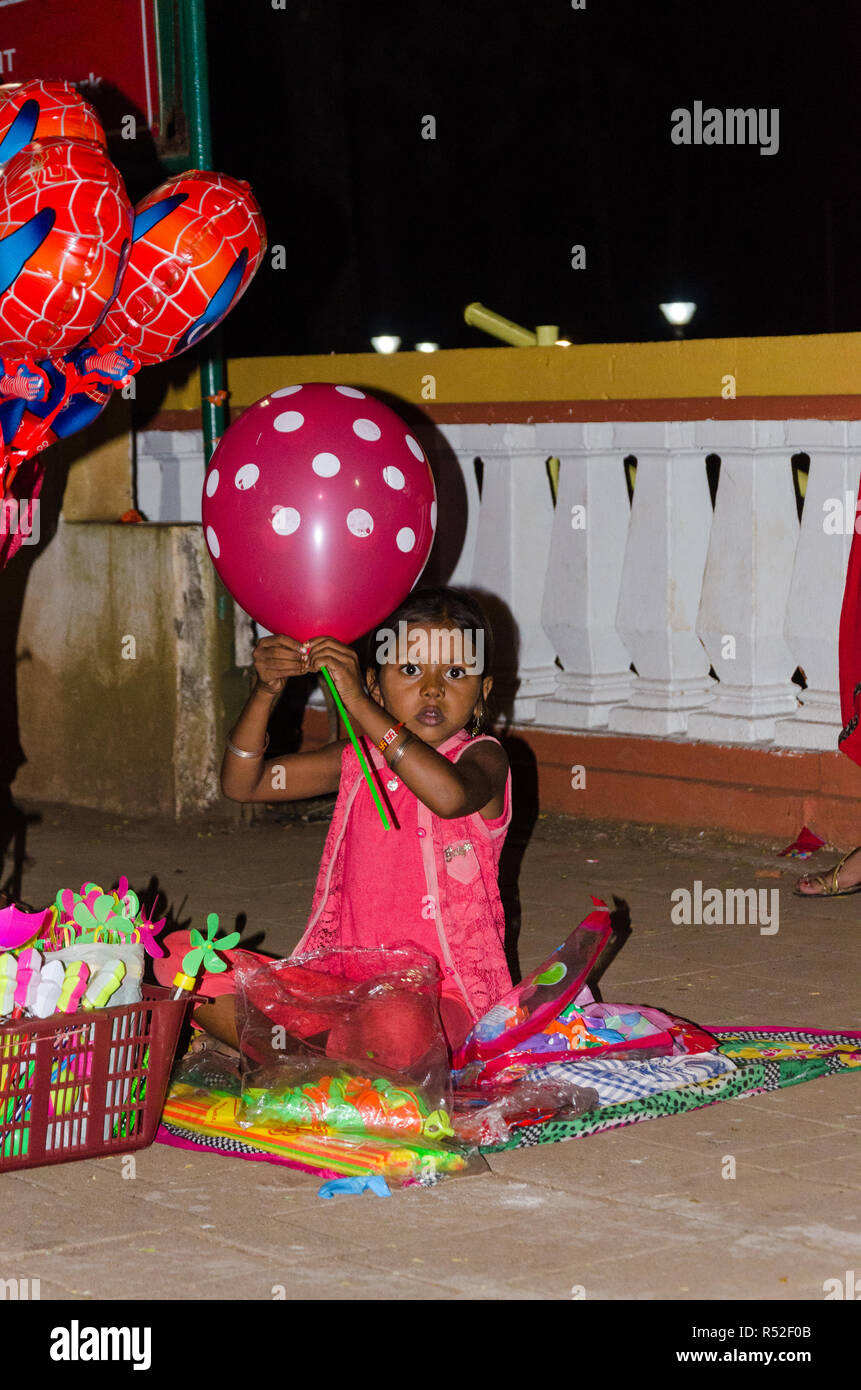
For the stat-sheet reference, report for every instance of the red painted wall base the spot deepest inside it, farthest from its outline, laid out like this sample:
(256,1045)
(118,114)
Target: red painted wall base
(755,791)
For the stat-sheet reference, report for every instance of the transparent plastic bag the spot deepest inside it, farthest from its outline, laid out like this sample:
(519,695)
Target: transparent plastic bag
(348,1042)
(209,1067)
(484,1117)
(96,953)
(208,1117)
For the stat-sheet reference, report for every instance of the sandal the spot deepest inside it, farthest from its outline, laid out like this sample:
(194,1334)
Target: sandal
(828,882)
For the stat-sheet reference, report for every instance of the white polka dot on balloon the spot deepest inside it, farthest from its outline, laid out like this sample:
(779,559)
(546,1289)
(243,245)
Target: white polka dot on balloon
(394,477)
(351,391)
(360,522)
(414,446)
(288,420)
(212,542)
(287,391)
(405,539)
(246,476)
(285,520)
(326,465)
(433,515)
(212,482)
(366,429)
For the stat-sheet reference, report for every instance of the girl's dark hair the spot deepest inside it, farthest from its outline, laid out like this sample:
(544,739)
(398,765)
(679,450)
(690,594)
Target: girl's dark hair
(438,605)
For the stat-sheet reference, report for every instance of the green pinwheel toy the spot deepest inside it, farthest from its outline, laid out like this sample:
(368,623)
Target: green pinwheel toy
(203,955)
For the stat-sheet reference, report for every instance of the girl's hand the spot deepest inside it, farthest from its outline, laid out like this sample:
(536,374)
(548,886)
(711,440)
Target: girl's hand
(343,666)
(275,660)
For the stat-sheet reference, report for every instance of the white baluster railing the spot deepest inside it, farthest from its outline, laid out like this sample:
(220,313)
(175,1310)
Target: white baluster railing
(458,497)
(666,584)
(746,584)
(584,576)
(169,472)
(513,540)
(819,575)
(661,578)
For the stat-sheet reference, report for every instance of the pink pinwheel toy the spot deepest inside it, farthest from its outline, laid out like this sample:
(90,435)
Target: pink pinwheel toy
(97,915)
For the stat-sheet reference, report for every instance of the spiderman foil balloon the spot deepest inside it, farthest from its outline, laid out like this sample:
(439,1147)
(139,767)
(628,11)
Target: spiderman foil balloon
(43,111)
(91,290)
(198,240)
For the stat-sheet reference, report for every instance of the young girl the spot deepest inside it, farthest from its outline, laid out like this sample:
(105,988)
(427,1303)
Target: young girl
(432,878)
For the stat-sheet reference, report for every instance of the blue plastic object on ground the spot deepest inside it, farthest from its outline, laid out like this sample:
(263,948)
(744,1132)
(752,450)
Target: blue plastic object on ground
(372,1183)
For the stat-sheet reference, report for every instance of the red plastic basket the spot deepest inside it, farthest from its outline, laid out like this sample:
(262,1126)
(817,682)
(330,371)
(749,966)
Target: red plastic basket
(86,1084)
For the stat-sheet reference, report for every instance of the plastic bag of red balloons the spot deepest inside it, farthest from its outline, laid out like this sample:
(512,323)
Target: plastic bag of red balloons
(90,288)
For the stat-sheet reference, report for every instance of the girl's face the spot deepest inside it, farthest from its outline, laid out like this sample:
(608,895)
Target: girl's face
(433,682)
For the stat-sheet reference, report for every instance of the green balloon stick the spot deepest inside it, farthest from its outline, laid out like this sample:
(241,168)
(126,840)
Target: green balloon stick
(360,752)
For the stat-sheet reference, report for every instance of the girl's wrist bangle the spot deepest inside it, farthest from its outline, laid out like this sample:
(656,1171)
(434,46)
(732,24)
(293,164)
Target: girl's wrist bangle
(401,749)
(243,753)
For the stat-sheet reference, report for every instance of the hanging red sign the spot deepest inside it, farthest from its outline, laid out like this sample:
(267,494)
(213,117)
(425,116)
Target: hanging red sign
(107,49)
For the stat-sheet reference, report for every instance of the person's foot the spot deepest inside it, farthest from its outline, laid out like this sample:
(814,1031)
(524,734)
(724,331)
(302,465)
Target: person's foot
(842,877)
(208,1042)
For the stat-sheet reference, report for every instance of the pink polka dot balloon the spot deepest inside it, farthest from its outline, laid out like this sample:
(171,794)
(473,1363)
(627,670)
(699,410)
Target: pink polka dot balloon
(319,511)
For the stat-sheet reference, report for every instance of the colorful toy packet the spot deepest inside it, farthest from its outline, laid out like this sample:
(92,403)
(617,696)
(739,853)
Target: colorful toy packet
(195,1117)
(205,1108)
(348,1104)
(552,1018)
(535,1003)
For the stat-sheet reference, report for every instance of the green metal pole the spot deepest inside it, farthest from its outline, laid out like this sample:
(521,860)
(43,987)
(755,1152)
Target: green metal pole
(196,100)
(195,68)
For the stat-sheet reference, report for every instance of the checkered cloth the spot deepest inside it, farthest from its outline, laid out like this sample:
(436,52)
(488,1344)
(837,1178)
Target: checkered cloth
(621,1078)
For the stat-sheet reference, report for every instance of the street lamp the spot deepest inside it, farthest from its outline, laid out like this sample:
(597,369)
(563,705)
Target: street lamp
(386,342)
(678,313)
(427,347)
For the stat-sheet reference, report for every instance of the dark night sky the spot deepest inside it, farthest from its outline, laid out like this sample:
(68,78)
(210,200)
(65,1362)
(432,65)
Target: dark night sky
(553,128)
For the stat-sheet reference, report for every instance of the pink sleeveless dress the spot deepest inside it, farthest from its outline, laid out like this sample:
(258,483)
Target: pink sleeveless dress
(430,881)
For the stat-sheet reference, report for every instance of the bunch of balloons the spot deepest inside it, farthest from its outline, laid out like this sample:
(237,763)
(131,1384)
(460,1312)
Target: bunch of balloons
(92,289)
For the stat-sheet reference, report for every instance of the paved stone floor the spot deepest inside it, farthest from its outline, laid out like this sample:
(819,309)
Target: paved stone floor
(641,1213)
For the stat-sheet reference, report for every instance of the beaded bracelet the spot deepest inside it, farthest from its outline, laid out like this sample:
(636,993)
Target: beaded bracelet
(389,736)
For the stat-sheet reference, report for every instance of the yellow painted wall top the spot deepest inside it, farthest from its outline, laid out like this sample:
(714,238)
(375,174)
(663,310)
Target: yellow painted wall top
(827,364)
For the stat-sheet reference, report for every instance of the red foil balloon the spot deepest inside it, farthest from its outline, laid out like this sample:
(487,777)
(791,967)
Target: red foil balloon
(40,110)
(319,511)
(65,229)
(198,240)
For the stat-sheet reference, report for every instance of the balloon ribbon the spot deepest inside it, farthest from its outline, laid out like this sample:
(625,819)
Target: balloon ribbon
(360,752)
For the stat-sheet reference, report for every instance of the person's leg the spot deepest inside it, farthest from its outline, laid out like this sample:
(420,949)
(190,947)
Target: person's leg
(219,1019)
(843,877)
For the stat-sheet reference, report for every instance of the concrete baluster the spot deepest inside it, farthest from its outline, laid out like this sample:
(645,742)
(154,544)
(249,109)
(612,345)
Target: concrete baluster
(818,576)
(169,471)
(661,578)
(584,575)
(512,544)
(746,584)
(453,463)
